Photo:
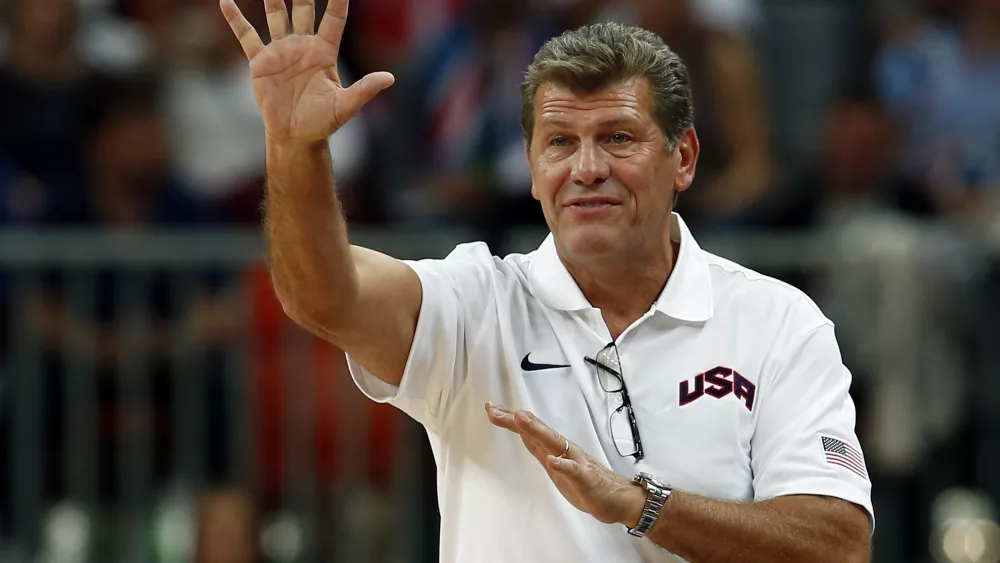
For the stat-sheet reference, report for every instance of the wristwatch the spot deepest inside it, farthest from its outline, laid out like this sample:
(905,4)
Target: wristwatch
(657,493)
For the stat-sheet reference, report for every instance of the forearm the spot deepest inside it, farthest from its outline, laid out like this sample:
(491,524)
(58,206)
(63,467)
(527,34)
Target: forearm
(311,262)
(790,529)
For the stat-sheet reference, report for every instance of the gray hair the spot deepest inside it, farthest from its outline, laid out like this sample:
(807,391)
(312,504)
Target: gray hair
(596,56)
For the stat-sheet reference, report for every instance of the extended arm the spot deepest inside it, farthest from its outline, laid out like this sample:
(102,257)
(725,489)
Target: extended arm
(363,301)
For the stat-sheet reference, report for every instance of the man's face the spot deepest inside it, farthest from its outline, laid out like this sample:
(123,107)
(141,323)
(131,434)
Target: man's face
(602,169)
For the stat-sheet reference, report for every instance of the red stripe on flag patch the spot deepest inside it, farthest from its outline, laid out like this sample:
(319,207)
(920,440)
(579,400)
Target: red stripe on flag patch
(839,452)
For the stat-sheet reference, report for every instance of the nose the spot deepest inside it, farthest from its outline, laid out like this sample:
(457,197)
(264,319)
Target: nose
(591,166)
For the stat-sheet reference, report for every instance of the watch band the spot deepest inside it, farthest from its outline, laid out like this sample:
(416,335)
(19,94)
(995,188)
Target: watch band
(657,494)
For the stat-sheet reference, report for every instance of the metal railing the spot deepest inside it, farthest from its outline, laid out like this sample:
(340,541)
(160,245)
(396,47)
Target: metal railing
(86,413)
(117,446)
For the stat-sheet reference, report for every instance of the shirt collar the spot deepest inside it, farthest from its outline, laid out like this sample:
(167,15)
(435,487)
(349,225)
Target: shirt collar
(686,297)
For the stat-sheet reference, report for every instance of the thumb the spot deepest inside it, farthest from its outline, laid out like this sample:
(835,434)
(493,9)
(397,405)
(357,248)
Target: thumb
(363,91)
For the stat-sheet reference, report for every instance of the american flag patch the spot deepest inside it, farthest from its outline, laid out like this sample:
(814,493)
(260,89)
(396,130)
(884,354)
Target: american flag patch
(839,452)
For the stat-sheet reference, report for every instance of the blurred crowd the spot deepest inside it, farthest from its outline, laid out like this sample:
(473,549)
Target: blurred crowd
(875,121)
(140,111)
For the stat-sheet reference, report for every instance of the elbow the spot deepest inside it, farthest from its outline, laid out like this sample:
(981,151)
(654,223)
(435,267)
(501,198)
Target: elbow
(854,552)
(857,553)
(320,315)
(325,323)
(857,556)
(852,546)
(862,552)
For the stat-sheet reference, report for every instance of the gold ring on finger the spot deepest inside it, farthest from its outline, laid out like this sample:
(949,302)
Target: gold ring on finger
(565,450)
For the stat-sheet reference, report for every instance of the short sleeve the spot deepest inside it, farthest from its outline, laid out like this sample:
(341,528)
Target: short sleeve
(456,291)
(804,441)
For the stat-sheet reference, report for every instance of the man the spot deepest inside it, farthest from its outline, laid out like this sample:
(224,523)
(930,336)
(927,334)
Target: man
(723,391)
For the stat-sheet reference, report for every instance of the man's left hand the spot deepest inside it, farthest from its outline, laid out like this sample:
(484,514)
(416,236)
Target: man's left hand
(584,482)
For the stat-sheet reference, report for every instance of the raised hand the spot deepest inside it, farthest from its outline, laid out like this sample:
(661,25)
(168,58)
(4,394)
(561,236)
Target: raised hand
(295,79)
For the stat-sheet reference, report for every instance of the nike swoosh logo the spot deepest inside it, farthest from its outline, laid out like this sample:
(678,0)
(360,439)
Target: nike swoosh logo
(528,365)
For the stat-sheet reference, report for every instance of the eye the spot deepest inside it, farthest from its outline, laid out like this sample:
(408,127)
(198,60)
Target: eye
(619,138)
(559,142)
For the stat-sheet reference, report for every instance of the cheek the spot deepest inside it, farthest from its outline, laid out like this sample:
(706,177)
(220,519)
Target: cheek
(546,180)
(636,178)
(649,189)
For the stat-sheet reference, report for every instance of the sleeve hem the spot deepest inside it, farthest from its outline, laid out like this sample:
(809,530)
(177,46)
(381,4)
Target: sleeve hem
(380,391)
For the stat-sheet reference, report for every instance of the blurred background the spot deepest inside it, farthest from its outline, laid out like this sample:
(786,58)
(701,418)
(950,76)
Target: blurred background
(157,406)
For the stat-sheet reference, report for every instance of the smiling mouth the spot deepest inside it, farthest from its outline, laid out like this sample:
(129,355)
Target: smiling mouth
(592,204)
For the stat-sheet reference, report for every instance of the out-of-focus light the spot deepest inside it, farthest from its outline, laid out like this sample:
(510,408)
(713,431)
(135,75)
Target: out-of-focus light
(975,543)
(971,541)
(282,538)
(965,528)
(174,527)
(66,534)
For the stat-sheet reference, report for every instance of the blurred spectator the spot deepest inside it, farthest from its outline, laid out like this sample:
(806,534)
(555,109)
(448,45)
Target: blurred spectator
(895,271)
(386,33)
(125,35)
(856,173)
(227,528)
(940,80)
(459,109)
(854,179)
(811,53)
(127,188)
(23,199)
(571,14)
(128,181)
(739,17)
(41,78)
(734,168)
(216,134)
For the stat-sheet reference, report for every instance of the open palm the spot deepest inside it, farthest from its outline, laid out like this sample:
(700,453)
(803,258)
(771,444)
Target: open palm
(295,78)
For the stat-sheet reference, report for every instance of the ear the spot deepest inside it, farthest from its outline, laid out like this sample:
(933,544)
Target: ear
(686,153)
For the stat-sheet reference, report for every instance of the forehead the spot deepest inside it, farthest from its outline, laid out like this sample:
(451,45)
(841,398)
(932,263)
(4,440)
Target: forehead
(627,100)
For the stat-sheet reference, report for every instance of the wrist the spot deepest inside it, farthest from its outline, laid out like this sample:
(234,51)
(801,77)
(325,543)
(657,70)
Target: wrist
(634,500)
(300,168)
(285,148)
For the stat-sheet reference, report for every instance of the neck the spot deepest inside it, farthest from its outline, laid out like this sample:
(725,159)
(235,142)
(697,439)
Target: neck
(626,286)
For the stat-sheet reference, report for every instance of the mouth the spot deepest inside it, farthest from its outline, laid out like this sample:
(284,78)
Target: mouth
(591,209)
(591,203)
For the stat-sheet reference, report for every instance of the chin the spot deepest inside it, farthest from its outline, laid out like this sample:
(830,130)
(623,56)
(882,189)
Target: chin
(590,241)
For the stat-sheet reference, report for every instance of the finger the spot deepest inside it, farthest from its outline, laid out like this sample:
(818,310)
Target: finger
(564,466)
(538,450)
(362,92)
(530,425)
(331,28)
(241,27)
(499,416)
(304,16)
(277,18)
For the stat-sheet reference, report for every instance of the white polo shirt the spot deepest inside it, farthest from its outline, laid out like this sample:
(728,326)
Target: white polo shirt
(735,378)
